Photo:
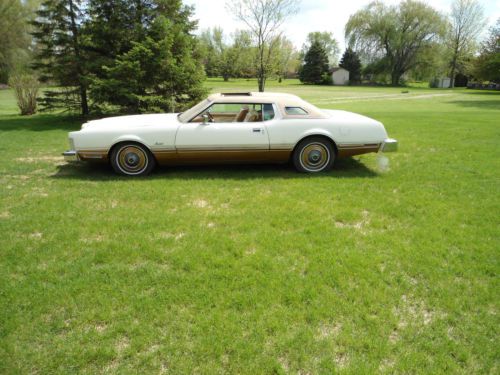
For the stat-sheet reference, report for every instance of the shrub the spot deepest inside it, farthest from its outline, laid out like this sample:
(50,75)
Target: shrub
(26,88)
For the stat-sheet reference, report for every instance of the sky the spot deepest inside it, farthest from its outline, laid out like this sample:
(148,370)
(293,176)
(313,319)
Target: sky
(314,15)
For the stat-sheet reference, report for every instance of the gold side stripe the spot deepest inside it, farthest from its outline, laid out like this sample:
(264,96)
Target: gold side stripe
(358,146)
(221,150)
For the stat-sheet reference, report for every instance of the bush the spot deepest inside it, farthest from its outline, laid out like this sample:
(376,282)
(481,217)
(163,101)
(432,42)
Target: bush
(26,88)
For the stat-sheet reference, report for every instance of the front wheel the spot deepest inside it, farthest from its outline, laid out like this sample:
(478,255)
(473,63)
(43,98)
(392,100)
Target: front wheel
(132,159)
(312,155)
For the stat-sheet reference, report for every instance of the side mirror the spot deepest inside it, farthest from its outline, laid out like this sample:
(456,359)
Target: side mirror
(205,119)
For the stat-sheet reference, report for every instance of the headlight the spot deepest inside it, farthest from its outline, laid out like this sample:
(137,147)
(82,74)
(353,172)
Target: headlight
(71,144)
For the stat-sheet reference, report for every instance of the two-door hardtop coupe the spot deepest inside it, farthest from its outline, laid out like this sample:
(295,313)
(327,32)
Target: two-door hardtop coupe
(230,128)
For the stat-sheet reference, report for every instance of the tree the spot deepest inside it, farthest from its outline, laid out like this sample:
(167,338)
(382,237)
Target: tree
(327,41)
(243,45)
(213,46)
(487,65)
(60,58)
(430,63)
(466,24)
(315,69)
(15,39)
(229,62)
(155,66)
(219,57)
(264,18)
(351,62)
(286,58)
(394,35)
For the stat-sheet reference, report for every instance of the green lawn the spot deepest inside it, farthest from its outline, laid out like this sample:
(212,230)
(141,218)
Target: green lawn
(258,269)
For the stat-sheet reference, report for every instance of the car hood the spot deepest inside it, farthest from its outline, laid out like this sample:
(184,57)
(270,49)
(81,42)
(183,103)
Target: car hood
(132,122)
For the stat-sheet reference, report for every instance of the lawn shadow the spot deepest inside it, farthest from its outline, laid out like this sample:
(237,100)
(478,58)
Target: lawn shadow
(481,104)
(483,92)
(344,168)
(489,103)
(41,122)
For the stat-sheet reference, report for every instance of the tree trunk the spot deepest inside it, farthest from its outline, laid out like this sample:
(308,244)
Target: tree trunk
(83,95)
(454,61)
(452,72)
(262,73)
(395,77)
(262,82)
(79,70)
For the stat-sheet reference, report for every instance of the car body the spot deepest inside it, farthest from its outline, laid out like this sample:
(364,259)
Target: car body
(230,128)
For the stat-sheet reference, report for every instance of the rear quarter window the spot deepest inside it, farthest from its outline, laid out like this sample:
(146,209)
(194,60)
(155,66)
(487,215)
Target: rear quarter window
(295,111)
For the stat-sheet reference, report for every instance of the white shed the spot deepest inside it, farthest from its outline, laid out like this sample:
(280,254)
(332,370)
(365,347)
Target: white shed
(443,83)
(340,76)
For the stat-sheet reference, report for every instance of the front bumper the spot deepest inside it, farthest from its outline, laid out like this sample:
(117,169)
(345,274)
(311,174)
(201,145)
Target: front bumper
(70,155)
(389,145)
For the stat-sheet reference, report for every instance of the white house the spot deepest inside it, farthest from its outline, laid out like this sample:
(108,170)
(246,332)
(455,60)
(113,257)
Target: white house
(340,76)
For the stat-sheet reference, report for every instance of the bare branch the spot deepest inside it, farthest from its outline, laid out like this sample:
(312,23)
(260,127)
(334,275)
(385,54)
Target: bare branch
(264,19)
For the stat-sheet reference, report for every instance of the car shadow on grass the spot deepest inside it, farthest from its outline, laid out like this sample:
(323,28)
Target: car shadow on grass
(344,168)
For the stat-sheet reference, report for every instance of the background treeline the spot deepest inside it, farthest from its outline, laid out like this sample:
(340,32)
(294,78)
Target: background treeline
(145,56)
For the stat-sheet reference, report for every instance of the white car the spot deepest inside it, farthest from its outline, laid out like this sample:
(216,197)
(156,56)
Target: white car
(230,128)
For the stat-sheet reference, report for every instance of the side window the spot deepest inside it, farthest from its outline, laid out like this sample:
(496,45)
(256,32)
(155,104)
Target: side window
(224,112)
(295,111)
(268,112)
(236,112)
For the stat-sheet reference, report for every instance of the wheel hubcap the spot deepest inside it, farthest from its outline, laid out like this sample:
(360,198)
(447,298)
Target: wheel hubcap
(132,159)
(314,157)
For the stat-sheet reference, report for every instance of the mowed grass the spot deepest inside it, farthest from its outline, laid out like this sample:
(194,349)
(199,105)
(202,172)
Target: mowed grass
(258,269)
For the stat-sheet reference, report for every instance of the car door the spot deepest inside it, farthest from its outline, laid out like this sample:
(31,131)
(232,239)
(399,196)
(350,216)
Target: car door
(231,135)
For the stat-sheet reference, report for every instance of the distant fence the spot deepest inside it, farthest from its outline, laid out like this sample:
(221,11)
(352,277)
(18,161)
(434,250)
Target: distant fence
(484,86)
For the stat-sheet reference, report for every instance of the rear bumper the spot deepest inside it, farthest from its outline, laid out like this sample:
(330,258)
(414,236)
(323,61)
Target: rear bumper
(70,155)
(389,145)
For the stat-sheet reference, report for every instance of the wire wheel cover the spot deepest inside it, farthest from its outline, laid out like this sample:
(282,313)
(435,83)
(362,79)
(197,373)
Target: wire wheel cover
(314,156)
(132,159)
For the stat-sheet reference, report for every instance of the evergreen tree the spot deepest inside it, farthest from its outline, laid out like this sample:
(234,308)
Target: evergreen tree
(59,57)
(350,61)
(315,69)
(145,58)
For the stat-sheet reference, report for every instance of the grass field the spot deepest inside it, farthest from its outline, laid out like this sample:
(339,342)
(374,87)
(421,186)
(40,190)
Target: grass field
(258,269)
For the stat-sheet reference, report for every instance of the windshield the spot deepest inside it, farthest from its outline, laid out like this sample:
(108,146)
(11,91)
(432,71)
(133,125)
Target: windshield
(193,111)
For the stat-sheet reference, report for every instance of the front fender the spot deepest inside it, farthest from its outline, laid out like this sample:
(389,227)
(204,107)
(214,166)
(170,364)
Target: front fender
(129,138)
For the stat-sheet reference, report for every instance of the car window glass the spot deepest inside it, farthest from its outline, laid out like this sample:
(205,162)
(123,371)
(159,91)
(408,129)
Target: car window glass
(268,112)
(294,111)
(235,112)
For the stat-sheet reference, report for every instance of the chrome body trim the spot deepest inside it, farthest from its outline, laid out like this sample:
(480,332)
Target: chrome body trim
(389,145)
(70,155)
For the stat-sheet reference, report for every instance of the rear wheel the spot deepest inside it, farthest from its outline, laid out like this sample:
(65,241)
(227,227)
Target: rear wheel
(132,159)
(314,154)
